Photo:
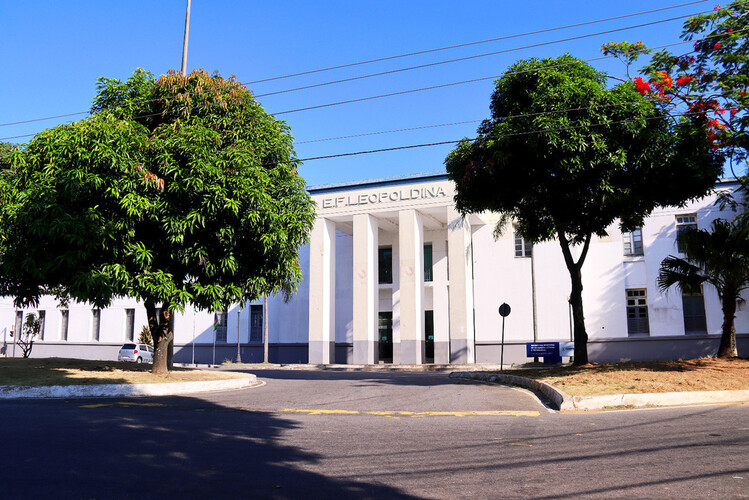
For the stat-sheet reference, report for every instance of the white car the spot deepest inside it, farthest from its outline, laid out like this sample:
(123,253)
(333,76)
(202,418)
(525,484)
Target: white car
(138,353)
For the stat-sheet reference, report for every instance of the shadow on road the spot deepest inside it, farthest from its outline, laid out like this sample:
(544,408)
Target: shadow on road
(384,377)
(167,448)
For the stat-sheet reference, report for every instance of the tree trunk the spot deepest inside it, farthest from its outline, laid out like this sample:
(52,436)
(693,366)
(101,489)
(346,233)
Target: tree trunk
(576,296)
(727,347)
(578,318)
(162,334)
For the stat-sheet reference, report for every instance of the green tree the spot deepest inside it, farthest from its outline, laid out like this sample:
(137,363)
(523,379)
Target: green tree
(177,190)
(719,257)
(6,149)
(565,157)
(31,328)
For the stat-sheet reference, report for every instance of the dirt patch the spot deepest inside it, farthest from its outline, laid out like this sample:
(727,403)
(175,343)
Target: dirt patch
(704,374)
(60,371)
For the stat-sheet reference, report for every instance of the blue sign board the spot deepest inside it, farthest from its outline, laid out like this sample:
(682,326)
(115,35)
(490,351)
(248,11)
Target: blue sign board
(540,349)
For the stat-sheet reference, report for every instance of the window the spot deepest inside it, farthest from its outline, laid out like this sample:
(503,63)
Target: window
(385,264)
(637,312)
(130,324)
(694,313)
(522,249)
(95,323)
(42,318)
(220,325)
(684,222)
(256,323)
(633,242)
(64,317)
(19,324)
(428,274)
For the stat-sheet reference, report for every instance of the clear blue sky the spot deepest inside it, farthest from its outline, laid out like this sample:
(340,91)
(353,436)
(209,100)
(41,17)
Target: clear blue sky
(52,53)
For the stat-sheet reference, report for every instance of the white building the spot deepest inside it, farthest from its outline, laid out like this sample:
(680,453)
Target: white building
(394,274)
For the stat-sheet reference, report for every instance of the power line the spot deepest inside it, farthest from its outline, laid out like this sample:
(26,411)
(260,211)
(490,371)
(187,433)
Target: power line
(421,89)
(515,134)
(507,37)
(20,122)
(466,58)
(381,132)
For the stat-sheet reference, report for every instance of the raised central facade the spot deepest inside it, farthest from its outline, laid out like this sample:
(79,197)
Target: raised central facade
(409,302)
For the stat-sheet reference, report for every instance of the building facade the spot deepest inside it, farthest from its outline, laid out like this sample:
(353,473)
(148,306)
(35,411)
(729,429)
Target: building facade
(394,274)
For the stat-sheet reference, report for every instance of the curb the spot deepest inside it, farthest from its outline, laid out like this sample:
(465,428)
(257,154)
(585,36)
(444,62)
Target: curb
(385,367)
(115,390)
(560,399)
(563,401)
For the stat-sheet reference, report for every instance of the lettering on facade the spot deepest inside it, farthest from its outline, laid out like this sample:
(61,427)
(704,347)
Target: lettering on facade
(423,193)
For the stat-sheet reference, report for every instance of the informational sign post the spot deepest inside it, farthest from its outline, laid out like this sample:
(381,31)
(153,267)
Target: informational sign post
(504,311)
(547,350)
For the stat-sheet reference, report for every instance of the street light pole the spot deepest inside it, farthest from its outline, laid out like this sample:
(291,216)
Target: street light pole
(187,36)
(239,354)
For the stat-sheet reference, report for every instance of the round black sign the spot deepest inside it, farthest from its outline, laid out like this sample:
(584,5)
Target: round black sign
(504,309)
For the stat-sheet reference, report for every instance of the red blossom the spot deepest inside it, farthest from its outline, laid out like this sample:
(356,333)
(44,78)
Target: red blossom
(717,7)
(734,110)
(641,86)
(684,80)
(716,46)
(729,30)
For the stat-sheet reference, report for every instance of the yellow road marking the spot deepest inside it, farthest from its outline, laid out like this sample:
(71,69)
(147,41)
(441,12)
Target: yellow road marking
(121,403)
(414,414)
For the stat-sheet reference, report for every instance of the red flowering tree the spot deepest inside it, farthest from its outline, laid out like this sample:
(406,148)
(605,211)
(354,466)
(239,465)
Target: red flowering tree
(706,86)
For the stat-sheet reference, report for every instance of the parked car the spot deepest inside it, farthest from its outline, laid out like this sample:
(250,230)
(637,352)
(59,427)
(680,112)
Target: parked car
(138,353)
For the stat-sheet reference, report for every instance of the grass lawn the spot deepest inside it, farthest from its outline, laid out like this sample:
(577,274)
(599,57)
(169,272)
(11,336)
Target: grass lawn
(62,371)
(703,374)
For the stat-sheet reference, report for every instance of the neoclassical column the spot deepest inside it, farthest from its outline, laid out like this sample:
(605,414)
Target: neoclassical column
(441,303)
(462,345)
(322,292)
(365,289)
(411,264)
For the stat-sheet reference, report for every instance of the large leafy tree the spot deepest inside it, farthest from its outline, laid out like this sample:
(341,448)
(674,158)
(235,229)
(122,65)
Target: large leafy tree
(177,190)
(719,257)
(565,157)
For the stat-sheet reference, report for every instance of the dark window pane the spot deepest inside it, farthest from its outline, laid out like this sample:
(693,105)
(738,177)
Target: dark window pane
(428,276)
(256,323)
(385,264)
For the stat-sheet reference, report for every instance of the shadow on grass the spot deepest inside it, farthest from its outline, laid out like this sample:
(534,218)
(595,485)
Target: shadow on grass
(64,371)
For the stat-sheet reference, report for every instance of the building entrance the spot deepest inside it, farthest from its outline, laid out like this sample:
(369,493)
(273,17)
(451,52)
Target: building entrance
(385,337)
(429,336)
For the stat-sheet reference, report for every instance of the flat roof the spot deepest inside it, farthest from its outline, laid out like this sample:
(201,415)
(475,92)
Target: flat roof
(398,179)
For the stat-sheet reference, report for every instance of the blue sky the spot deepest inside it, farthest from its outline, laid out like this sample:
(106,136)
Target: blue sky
(53,51)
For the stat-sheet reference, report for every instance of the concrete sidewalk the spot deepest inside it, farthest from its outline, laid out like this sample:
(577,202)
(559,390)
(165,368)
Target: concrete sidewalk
(563,401)
(119,390)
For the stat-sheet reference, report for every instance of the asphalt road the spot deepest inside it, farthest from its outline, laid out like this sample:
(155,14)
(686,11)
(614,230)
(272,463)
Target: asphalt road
(366,435)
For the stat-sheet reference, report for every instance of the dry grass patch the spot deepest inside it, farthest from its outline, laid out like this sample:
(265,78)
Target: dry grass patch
(704,374)
(61,371)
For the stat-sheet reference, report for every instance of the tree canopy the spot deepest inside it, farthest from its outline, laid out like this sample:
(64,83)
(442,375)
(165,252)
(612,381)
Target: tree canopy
(708,83)
(565,156)
(177,190)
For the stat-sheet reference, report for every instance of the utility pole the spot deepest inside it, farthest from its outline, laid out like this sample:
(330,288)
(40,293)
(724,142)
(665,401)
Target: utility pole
(187,36)
(265,329)
(239,354)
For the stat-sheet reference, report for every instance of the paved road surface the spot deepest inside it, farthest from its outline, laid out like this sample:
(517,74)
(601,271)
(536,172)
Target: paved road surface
(372,435)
